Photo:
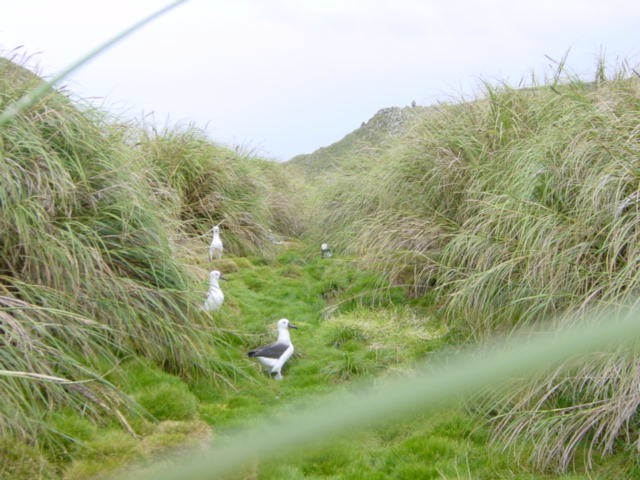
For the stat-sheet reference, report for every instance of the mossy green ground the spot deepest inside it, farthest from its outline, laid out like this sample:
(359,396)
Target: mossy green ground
(345,338)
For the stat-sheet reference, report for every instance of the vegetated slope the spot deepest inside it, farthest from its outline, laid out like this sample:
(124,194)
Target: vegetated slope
(330,172)
(96,215)
(92,214)
(205,184)
(374,135)
(510,210)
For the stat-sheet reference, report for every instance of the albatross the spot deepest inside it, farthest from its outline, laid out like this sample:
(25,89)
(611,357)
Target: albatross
(275,355)
(216,248)
(215,297)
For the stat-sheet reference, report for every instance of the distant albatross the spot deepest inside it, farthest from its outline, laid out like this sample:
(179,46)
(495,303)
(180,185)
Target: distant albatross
(216,248)
(325,251)
(275,355)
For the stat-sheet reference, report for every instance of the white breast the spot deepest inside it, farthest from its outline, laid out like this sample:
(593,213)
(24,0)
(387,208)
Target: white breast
(214,300)
(216,249)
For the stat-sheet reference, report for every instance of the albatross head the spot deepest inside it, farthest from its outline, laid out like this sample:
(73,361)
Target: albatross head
(284,324)
(214,276)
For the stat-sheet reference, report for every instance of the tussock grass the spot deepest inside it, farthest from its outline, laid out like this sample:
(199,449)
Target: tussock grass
(94,218)
(206,185)
(87,273)
(24,461)
(507,211)
(83,231)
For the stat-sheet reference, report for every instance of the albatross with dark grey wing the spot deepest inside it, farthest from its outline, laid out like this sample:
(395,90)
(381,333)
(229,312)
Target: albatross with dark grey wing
(275,355)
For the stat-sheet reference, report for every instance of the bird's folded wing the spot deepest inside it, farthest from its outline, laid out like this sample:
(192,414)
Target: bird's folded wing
(275,350)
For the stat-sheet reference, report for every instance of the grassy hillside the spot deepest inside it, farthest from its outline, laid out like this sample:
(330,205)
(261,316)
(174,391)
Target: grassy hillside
(448,223)
(94,217)
(511,210)
(373,136)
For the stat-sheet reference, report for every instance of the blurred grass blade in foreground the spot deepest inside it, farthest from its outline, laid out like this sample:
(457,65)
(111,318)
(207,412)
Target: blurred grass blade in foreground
(469,372)
(37,93)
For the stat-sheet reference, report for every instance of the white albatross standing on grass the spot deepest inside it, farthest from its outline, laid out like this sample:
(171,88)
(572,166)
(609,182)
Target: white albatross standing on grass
(275,355)
(216,248)
(215,297)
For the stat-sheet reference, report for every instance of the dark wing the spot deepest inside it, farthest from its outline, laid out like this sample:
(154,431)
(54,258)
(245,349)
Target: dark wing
(275,350)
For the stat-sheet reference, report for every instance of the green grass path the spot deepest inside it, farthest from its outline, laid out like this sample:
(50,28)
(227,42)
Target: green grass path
(352,330)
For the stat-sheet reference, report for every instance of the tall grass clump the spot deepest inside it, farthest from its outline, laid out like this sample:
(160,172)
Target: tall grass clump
(87,270)
(206,184)
(345,181)
(511,209)
(517,205)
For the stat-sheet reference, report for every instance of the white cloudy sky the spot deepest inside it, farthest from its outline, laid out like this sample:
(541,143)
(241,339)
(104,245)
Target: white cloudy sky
(282,77)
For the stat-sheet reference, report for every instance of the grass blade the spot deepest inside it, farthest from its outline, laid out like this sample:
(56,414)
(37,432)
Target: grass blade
(471,371)
(36,94)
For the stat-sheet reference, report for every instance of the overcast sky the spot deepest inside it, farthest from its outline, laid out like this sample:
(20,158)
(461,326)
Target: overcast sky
(283,77)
